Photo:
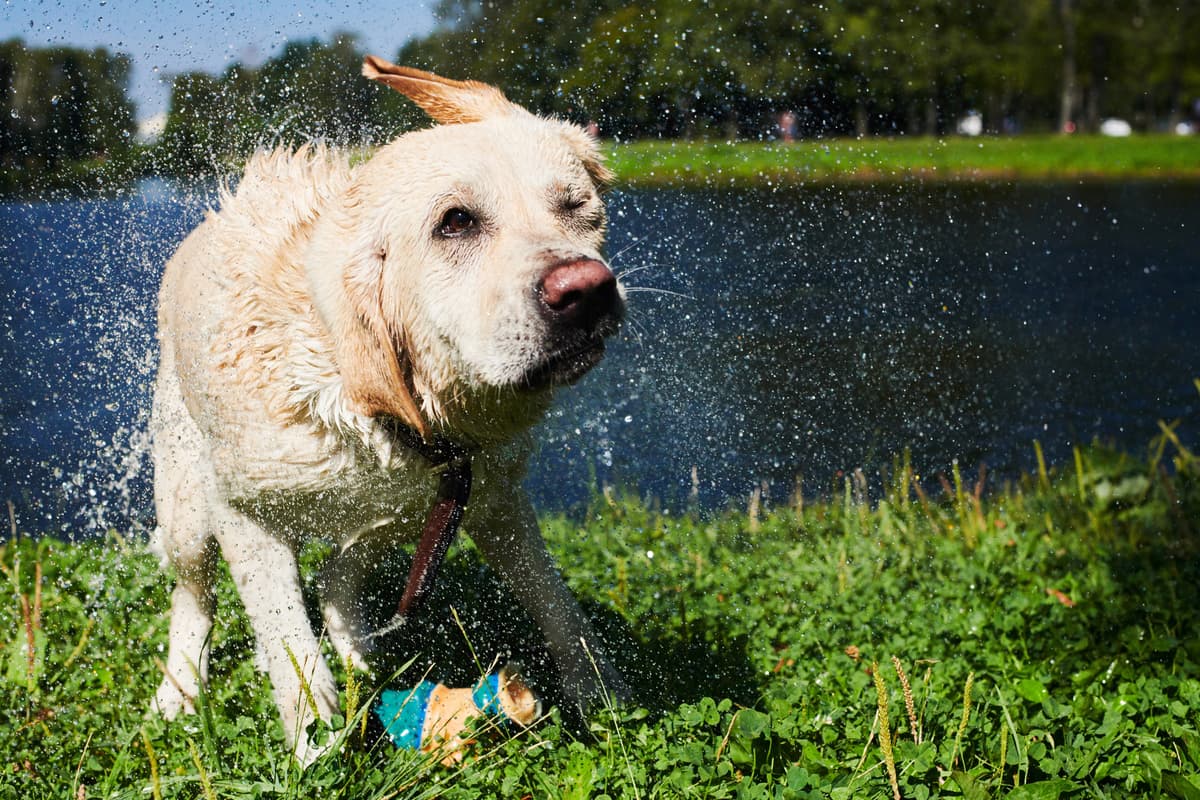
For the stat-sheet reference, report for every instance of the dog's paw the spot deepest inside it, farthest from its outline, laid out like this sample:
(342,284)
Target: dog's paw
(170,701)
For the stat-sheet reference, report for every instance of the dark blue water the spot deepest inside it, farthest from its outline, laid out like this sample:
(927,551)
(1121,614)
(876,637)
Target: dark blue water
(78,280)
(819,330)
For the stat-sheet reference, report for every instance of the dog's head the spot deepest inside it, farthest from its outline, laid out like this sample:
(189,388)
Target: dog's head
(461,275)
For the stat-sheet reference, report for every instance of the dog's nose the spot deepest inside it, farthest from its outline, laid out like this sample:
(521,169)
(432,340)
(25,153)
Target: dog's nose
(580,293)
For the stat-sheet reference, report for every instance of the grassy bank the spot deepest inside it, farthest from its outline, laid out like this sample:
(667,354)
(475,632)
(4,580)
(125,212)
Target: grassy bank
(708,164)
(1038,640)
(1033,157)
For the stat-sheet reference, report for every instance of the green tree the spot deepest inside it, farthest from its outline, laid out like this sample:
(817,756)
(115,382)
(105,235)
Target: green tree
(314,90)
(724,68)
(311,90)
(528,47)
(63,109)
(197,139)
(1146,59)
(1128,58)
(695,68)
(1167,54)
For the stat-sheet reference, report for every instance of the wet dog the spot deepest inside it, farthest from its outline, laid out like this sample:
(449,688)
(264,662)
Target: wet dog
(347,350)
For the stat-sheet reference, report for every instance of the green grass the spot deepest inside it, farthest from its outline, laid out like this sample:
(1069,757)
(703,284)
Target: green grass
(1031,157)
(1047,632)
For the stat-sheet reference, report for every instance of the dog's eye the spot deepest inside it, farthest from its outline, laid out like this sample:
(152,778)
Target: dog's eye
(573,204)
(456,222)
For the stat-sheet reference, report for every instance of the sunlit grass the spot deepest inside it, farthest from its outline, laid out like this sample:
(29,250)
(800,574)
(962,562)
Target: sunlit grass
(1049,627)
(952,158)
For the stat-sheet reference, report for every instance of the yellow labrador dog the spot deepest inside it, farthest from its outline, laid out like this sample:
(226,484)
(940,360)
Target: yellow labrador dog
(356,353)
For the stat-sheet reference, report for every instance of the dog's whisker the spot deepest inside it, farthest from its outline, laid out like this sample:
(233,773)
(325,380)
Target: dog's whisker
(659,291)
(635,328)
(647,265)
(626,249)
(626,273)
(635,324)
(395,624)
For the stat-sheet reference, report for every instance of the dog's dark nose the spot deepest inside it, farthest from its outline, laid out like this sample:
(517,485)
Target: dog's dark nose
(580,293)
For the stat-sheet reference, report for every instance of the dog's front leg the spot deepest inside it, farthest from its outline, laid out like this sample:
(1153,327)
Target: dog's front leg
(267,577)
(511,542)
(342,582)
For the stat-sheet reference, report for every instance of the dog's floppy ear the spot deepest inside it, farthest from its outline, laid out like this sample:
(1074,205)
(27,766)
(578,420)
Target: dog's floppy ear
(370,351)
(445,100)
(372,355)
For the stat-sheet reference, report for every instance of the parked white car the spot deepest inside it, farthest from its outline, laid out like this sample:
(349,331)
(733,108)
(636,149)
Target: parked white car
(971,124)
(1115,127)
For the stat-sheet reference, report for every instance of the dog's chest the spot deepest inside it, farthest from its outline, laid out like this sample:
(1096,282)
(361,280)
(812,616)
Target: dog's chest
(353,494)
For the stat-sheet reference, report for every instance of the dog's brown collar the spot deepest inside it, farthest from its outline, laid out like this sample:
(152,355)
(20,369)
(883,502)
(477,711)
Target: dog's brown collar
(437,452)
(443,519)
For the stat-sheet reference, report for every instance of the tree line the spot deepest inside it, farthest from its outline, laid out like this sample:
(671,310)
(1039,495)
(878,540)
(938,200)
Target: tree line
(671,68)
(856,67)
(65,115)
(311,90)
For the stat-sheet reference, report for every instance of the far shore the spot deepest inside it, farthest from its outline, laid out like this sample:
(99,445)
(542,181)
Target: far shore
(713,164)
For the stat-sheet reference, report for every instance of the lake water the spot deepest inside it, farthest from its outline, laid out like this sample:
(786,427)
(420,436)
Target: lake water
(807,331)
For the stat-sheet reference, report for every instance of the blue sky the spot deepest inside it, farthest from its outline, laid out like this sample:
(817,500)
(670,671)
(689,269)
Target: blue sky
(169,36)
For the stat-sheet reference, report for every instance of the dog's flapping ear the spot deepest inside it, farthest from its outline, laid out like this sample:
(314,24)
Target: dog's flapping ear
(446,101)
(449,102)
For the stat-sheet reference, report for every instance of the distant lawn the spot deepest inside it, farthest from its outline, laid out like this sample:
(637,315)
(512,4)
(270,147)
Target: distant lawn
(652,163)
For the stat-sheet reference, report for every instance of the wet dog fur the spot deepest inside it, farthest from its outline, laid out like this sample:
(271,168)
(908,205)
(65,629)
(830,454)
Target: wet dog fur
(433,285)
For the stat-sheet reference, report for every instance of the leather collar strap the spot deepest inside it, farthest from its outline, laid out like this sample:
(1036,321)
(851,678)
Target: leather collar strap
(443,520)
(437,452)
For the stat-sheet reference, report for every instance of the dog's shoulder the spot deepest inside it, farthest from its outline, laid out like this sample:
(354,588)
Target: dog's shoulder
(283,187)
(238,307)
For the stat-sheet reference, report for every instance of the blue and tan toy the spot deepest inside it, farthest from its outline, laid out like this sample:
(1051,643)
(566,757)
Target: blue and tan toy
(434,717)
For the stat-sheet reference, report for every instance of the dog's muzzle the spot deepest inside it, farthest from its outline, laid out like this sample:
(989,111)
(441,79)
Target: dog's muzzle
(581,304)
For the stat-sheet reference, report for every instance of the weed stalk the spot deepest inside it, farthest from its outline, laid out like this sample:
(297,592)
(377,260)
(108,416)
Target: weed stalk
(304,687)
(1043,475)
(885,731)
(610,706)
(1080,476)
(909,705)
(752,510)
(155,784)
(205,783)
(354,699)
(966,716)
(1003,755)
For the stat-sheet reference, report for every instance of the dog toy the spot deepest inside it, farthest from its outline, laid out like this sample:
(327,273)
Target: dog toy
(434,717)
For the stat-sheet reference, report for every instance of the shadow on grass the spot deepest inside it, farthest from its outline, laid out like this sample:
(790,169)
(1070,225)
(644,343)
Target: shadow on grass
(662,667)
(1133,529)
